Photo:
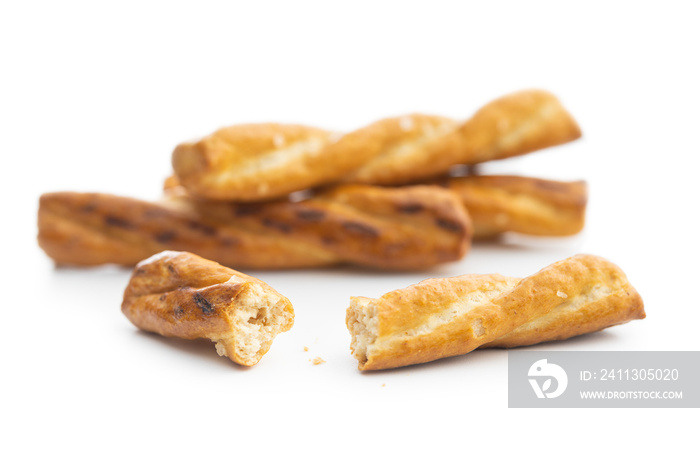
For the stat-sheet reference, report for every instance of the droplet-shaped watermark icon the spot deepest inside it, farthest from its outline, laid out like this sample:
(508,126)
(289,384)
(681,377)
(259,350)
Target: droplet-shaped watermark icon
(546,372)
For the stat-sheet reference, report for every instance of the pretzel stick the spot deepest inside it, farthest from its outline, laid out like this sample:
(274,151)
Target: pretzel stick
(265,161)
(178,294)
(389,228)
(444,317)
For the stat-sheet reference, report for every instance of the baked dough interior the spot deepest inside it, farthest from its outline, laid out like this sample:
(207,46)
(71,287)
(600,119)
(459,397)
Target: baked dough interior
(256,319)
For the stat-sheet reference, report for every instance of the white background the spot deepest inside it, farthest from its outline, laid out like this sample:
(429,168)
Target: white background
(94,98)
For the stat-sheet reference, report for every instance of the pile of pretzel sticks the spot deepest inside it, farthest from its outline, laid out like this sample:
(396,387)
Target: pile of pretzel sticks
(282,196)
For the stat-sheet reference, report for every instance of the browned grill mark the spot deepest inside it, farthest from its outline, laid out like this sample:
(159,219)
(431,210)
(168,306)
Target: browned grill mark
(244,210)
(203,304)
(178,312)
(277,225)
(410,208)
(311,215)
(360,228)
(171,269)
(165,236)
(118,222)
(228,241)
(206,230)
(449,225)
(89,208)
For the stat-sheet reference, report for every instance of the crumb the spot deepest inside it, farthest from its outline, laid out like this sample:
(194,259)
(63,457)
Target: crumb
(306,348)
(561,294)
(383,385)
(317,360)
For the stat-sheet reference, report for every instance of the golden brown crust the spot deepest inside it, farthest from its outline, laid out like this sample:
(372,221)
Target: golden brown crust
(403,149)
(88,229)
(516,124)
(439,318)
(256,162)
(533,206)
(390,228)
(179,294)
(243,163)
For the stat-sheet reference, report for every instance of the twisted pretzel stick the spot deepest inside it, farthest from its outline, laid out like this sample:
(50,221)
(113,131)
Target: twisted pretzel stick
(389,228)
(438,318)
(532,206)
(178,294)
(265,161)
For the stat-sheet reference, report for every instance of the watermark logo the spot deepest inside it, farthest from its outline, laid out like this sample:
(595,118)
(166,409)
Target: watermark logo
(603,379)
(546,372)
